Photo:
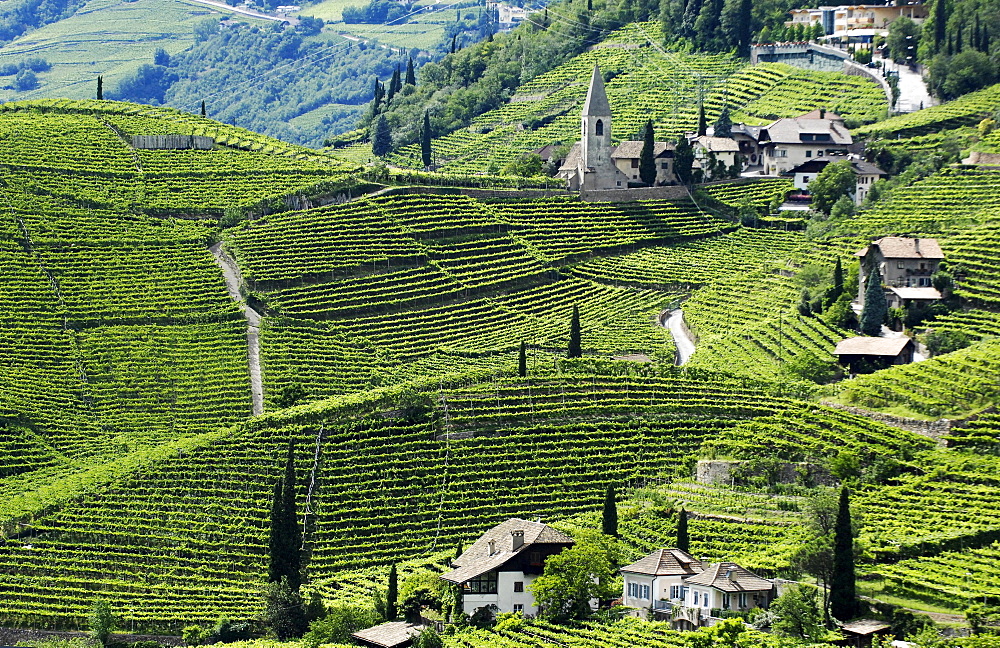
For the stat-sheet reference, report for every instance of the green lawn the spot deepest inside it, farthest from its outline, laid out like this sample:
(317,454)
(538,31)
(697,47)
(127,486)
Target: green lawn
(106,37)
(424,31)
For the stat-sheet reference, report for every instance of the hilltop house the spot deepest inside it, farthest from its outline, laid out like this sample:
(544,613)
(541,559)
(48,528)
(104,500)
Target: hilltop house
(671,582)
(859,22)
(865,174)
(905,266)
(787,143)
(497,569)
(594,164)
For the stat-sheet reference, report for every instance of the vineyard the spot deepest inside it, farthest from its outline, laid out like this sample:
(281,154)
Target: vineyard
(643,82)
(967,110)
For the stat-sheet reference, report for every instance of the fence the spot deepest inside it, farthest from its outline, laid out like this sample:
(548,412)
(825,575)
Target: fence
(198,142)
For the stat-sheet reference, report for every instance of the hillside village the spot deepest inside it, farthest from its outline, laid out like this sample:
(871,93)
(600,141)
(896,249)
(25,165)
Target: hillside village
(669,326)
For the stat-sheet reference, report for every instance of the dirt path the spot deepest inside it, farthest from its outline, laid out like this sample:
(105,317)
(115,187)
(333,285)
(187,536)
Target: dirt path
(673,321)
(233,280)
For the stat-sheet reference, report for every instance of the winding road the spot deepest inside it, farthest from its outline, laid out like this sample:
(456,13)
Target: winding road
(231,272)
(673,321)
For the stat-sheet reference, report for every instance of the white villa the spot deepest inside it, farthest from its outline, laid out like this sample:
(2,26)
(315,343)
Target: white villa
(787,143)
(672,582)
(497,569)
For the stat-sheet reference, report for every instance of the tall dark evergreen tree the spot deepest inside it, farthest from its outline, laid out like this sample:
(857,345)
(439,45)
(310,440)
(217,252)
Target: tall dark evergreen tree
(575,348)
(838,279)
(683,542)
(425,141)
(940,23)
(736,24)
(381,137)
(843,593)
(454,42)
(290,523)
(392,596)
(609,517)
(875,310)
(394,86)
(378,92)
(647,161)
(100,88)
(724,124)
(702,123)
(411,77)
(683,160)
(522,361)
(204,113)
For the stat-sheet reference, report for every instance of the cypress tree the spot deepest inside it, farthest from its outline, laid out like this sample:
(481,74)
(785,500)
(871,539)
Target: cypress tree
(392,596)
(454,41)
(940,23)
(609,517)
(683,160)
(100,88)
(702,124)
(575,349)
(377,96)
(843,595)
(275,546)
(522,361)
(381,138)
(394,85)
(683,542)
(590,5)
(724,124)
(397,80)
(425,141)
(203,111)
(838,279)
(411,77)
(875,309)
(292,534)
(647,163)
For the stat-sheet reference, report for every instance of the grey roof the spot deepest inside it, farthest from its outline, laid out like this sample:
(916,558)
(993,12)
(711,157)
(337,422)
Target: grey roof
(752,132)
(864,626)
(861,167)
(821,113)
(791,130)
(573,158)
(916,293)
(596,103)
(666,562)
(901,247)
(730,577)
(394,633)
(633,148)
(478,560)
(877,346)
(811,166)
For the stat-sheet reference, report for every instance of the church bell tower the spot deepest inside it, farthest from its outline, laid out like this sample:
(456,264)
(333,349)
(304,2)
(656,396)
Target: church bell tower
(595,135)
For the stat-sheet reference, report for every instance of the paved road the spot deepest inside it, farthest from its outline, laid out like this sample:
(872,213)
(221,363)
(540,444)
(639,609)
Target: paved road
(913,93)
(244,11)
(674,323)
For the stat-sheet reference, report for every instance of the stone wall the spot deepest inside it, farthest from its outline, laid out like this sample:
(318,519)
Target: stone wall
(198,142)
(933,429)
(720,471)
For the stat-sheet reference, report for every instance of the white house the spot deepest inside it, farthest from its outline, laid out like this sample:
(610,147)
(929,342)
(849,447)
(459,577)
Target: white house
(672,582)
(787,143)
(724,149)
(626,159)
(905,265)
(865,173)
(498,568)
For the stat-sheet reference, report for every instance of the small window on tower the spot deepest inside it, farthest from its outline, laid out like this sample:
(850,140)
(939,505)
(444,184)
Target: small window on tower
(600,127)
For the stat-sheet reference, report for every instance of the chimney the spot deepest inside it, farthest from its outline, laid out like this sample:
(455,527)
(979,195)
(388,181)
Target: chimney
(822,113)
(517,538)
(493,547)
(729,574)
(916,246)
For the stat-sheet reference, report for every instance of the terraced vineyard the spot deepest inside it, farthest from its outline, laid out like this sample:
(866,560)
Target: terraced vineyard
(967,110)
(957,576)
(643,82)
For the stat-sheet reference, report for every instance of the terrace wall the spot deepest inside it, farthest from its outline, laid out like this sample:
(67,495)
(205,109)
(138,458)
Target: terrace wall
(198,142)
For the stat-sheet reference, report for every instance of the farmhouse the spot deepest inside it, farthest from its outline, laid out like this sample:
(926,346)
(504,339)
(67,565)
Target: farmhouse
(671,582)
(906,266)
(865,173)
(787,143)
(867,354)
(722,149)
(594,164)
(497,569)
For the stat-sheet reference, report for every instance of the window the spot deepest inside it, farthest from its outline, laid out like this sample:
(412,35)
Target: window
(743,600)
(599,129)
(925,282)
(805,179)
(780,153)
(484,584)
(675,591)
(809,154)
(900,264)
(923,266)
(635,163)
(819,153)
(696,597)
(518,586)
(725,601)
(645,592)
(535,558)
(664,165)
(518,607)
(630,588)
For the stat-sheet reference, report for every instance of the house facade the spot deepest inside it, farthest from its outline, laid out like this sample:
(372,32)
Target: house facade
(722,149)
(848,20)
(787,143)
(626,158)
(905,265)
(865,174)
(498,568)
(671,582)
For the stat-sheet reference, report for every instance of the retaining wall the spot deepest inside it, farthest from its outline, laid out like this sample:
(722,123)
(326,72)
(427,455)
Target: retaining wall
(199,142)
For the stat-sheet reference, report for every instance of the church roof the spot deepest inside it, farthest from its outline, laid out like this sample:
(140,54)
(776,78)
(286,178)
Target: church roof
(597,99)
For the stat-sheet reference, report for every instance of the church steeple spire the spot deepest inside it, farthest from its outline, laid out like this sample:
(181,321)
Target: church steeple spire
(597,99)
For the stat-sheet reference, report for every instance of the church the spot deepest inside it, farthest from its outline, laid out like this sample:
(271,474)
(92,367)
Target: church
(593,164)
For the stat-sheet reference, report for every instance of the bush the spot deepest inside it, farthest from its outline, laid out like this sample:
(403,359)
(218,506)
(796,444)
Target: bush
(194,635)
(25,80)
(809,366)
(339,623)
(940,342)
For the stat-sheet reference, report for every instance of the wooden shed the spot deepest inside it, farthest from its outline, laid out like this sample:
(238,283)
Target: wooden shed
(867,354)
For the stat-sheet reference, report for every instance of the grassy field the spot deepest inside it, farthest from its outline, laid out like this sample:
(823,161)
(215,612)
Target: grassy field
(105,37)
(422,31)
